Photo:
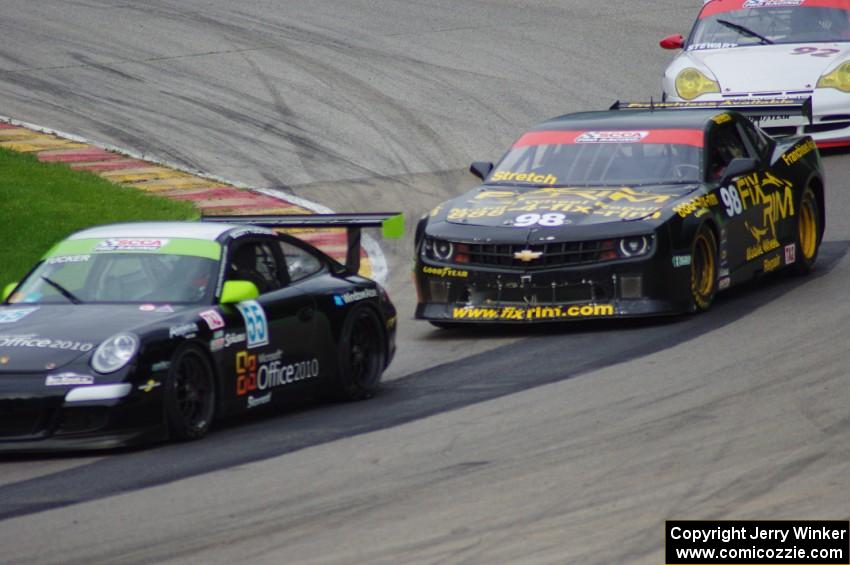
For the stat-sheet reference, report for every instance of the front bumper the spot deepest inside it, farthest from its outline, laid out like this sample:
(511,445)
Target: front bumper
(36,418)
(619,289)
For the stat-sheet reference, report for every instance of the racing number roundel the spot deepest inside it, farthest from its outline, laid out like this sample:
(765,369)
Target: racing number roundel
(256,325)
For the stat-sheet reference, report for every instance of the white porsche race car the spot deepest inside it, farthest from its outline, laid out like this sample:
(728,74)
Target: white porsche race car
(744,50)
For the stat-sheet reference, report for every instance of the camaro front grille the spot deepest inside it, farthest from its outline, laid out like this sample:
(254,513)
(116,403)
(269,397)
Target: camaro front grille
(553,255)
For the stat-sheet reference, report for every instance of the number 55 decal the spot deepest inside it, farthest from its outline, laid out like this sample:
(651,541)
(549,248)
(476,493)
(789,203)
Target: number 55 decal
(256,325)
(732,201)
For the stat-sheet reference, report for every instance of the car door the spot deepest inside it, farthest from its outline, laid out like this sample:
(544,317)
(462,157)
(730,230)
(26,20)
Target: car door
(740,197)
(276,352)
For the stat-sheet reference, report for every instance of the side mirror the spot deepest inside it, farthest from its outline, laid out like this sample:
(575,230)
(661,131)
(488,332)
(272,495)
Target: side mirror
(7,291)
(738,167)
(675,41)
(481,169)
(238,291)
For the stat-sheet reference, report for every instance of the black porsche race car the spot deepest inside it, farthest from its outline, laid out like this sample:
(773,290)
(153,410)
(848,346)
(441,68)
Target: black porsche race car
(644,209)
(137,332)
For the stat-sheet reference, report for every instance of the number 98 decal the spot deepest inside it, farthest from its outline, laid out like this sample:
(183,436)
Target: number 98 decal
(545,220)
(732,200)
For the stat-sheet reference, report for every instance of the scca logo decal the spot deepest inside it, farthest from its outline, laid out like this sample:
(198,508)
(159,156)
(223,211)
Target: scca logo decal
(256,325)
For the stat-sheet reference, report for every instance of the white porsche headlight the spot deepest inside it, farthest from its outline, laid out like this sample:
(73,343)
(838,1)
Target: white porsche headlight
(838,78)
(691,83)
(115,353)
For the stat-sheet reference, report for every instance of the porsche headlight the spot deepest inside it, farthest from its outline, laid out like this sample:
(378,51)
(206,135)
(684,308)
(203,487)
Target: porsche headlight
(115,353)
(839,78)
(691,83)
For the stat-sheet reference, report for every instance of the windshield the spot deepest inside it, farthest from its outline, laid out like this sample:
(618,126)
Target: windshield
(576,158)
(720,27)
(132,278)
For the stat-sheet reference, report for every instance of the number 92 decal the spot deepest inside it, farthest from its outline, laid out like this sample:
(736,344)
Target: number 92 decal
(545,220)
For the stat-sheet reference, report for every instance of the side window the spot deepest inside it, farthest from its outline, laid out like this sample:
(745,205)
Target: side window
(725,144)
(300,263)
(255,261)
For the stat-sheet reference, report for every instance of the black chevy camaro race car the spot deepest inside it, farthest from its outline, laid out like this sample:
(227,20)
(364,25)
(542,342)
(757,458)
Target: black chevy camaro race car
(136,332)
(644,209)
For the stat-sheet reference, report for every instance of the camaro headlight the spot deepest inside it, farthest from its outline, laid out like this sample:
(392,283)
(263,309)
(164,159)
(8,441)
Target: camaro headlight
(115,353)
(838,78)
(635,246)
(691,83)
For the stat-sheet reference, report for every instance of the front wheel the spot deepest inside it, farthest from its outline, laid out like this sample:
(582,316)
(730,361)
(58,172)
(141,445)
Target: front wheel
(361,356)
(703,269)
(807,234)
(189,395)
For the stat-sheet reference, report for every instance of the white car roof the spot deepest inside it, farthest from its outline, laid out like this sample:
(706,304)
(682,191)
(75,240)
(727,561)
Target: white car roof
(190,230)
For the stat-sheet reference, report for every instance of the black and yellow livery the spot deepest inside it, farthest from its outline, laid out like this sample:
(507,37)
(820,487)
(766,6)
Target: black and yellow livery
(636,211)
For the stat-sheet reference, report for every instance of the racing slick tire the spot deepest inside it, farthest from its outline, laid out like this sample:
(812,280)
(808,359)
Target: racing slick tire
(703,269)
(807,234)
(190,395)
(362,356)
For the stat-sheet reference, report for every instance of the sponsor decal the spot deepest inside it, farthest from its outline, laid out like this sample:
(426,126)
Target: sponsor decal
(698,205)
(535,178)
(183,330)
(791,254)
(213,319)
(612,137)
(254,401)
(139,244)
(681,260)
(266,372)
(12,316)
(256,324)
(161,366)
(724,283)
(150,385)
(772,3)
(233,339)
(167,309)
(694,137)
(147,307)
(68,259)
(444,272)
(759,249)
(216,344)
(622,203)
(533,312)
(355,296)
(68,379)
(772,264)
(37,342)
(242,232)
(721,119)
(711,45)
(799,152)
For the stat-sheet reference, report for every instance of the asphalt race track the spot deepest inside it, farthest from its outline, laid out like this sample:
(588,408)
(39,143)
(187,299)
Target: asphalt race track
(570,444)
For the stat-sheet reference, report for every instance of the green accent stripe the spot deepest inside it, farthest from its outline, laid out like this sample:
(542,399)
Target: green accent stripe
(175,246)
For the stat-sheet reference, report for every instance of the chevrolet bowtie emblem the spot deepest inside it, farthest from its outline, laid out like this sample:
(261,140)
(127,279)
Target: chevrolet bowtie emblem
(527,255)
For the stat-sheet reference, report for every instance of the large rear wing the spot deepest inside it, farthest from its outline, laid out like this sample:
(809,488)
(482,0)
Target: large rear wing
(755,109)
(391,224)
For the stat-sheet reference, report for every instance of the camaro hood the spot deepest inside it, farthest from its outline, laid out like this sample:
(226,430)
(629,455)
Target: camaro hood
(496,206)
(769,68)
(47,337)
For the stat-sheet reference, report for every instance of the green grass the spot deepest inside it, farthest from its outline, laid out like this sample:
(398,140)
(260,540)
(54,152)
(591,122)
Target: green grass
(42,203)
